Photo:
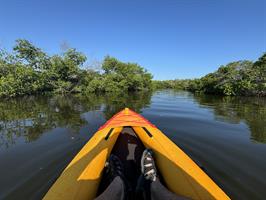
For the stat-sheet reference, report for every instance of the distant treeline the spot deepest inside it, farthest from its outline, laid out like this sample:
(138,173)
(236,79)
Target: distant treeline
(29,70)
(236,78)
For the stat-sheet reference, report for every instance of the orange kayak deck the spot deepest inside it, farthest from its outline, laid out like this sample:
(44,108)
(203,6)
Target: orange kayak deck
(127,117)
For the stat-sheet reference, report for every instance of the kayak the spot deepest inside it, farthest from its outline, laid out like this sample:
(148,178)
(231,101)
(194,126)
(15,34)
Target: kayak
(126,134)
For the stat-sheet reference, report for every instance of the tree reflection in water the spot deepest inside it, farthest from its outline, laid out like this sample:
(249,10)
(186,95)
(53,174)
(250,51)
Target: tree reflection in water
(251,110)
(31,116)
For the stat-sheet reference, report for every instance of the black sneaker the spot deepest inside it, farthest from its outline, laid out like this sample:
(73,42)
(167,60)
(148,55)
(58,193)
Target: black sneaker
(114,167)
(148,168)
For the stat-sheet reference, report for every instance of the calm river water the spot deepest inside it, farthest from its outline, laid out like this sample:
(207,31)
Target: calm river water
(225,135)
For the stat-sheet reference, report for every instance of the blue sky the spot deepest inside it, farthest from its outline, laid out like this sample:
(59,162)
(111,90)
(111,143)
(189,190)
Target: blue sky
(171,38)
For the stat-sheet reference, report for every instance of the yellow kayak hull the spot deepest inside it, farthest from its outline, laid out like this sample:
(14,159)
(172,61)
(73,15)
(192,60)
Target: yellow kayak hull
(81,178)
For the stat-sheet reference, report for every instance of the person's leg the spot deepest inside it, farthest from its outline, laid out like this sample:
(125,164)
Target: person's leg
(113,185)
(159,192)
(115,191)
(142,190)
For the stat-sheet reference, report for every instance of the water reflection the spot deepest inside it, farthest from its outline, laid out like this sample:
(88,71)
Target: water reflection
(30,117)
(250,110)
(192,121)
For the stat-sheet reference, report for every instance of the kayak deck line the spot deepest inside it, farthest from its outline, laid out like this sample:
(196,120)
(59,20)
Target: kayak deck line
(126,135)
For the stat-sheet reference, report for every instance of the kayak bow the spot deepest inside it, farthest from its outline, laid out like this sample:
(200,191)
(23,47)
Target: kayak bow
(81,178)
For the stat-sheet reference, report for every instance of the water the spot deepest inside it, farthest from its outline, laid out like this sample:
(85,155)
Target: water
(225,135)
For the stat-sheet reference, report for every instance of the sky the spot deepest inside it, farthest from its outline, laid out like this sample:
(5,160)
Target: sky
(170,38)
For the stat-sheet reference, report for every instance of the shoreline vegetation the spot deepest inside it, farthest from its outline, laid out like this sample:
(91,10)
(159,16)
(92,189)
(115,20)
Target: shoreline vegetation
(241,78)
(28,70)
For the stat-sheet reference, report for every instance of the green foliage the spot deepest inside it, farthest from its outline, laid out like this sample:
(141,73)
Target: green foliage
(172,84)
(23,81)
(259,71)
(119,76)
(28,70)
(236,78)
(129,76)
(31,55)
